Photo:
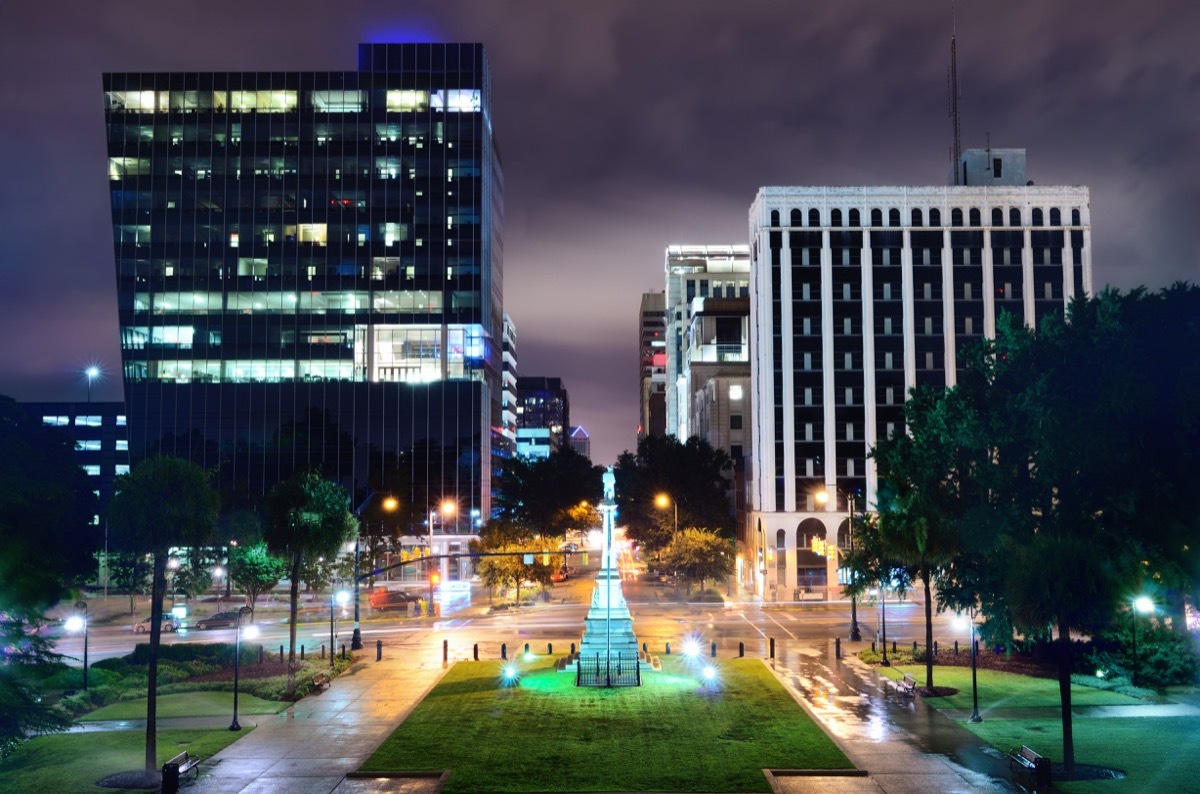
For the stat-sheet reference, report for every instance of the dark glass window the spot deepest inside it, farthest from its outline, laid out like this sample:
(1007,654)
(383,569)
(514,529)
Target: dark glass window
(893,217)
(1055,216)
(1075,220)
(814,217)
(956,217)
(916,217)
(975,217)
(735,421)
(1014,217)
(1036,218)
(997,217)
(935,217)
(774,219)
(855,219)
(796,218)
(835,218)
(876,217)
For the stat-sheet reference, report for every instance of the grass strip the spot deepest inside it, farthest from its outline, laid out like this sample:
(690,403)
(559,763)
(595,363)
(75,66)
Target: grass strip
(1004,690)
(67,763)
(672,734)
(187,704)
(1156,753)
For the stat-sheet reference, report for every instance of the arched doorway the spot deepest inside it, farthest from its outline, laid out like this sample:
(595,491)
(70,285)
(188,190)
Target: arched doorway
(812,576)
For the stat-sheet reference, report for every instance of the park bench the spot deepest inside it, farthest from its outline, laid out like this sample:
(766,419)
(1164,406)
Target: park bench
(320,681)
(173,769)
(1033,768)
(907,686)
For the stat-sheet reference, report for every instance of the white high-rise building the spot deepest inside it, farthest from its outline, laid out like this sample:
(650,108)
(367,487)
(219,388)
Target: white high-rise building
(859,294)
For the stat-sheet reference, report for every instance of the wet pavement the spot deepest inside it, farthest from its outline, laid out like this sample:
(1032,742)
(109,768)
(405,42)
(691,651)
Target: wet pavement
(901,743)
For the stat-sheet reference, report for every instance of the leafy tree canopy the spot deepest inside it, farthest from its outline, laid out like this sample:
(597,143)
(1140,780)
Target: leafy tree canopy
(549,495)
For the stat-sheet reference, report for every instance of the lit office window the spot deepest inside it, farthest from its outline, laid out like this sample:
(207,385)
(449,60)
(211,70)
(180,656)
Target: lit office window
(735,391)
(122,468)
(87,421)
(87,445)
(92,471)
(56,421)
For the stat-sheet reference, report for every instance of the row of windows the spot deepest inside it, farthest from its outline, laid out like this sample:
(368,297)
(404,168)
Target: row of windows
(81,421)
(455,100)
(917,217)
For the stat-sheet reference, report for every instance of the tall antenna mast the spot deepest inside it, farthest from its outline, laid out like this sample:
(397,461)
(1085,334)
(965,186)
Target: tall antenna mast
(956,151)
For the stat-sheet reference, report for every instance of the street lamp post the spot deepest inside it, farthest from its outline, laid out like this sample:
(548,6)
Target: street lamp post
(822,497)
(218,572)
(75,623)
(1141,604)
(446,508)
(974,681)
(92,373)
(237,656)
(389,504)
(335,597)
(662,500)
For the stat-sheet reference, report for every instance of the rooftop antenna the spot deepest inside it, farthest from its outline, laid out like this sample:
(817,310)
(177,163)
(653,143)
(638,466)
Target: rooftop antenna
(956,151)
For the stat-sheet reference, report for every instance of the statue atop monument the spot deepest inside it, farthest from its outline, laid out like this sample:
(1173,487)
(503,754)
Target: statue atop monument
(610,484)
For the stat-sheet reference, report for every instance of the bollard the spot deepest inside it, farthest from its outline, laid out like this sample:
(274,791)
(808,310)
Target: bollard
(714,650)
(322,650)
(772,647)
(668,653)
(379,650)
(837,647)
(475,652)
(302,653)
(914,649)
(281,653)
(504,650)
(549,649)
(893,646)
(956,647)
(261,651)
(741,649)
(644,648)
(935,649)
(445,651)
(572,649)
(526,649)
(873,646)
(343,650)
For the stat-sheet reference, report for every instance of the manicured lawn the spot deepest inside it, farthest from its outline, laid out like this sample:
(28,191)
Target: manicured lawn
(1157,753)
(672,734)
(188,704)
(72,762)
(1004,690)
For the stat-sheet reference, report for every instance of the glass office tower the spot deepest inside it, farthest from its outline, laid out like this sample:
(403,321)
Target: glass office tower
(309,269)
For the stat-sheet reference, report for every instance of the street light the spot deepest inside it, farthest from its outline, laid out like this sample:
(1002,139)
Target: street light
(237,656)
(447,508)
(76,623)
(341,597)
(217,573)
(974,682)
(662,500)
(92,373)
(822,497)
(389,504)
(1143,604)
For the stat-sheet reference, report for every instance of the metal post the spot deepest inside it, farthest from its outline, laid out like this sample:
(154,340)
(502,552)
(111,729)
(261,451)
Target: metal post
(1132,617)
(379,650)
(331,645)
(237,659)
(855,632)
(974,683)
(356,637)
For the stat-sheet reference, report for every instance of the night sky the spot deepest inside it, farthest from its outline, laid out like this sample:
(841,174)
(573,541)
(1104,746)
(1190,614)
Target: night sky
(623,127)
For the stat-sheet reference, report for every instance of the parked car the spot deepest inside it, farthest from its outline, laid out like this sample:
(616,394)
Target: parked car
(219,620)
(568,547)
(169,623)
(392,599)
(562,574)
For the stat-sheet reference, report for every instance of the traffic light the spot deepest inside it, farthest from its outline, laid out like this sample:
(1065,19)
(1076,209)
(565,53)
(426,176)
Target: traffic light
(546,558)
(434,578)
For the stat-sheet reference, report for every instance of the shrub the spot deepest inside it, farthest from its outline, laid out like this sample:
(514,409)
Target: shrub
(1164,657)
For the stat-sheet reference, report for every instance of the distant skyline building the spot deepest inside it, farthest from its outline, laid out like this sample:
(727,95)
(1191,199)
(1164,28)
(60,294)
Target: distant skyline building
(652,369)
(543,403)
(860,294)
(508,401)
(99,430)
(309,271)
(580,441)
(696,274)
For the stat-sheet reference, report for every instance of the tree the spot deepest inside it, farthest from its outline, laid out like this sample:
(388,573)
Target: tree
(545,494)
(130,571)
(255,571)
(307,517)
(162,502)
(692,475)
(503,547)
(699,555)
(923,475)
(872,566)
